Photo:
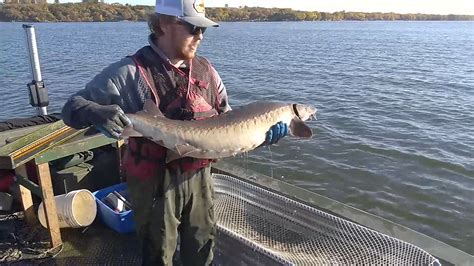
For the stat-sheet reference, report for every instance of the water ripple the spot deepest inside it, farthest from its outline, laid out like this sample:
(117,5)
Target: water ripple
(395,100)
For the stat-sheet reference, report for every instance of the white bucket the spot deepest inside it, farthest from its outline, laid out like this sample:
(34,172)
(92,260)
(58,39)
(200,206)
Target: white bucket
(75,209)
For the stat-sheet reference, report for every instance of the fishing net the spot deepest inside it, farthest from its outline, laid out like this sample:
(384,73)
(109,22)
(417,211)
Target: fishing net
(20,242)
(292,233)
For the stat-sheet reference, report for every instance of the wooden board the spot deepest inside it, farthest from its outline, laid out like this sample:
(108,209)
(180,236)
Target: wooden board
(49,204)
(25,194)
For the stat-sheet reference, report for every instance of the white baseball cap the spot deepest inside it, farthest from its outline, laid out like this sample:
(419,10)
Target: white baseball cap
(191,11)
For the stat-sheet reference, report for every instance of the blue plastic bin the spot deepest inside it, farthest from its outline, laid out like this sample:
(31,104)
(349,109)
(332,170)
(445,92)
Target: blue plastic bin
(122,222)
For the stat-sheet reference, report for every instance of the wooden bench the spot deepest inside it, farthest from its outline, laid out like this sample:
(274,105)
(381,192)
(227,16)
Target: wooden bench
(39,147)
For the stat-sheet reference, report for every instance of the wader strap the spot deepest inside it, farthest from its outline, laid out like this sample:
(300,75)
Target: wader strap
(144,75)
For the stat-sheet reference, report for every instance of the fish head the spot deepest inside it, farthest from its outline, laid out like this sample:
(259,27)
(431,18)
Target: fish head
(304,112)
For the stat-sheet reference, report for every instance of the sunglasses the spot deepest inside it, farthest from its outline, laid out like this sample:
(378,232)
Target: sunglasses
(193,30)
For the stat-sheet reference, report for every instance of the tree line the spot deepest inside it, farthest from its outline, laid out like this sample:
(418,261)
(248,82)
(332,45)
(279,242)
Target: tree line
(72,12)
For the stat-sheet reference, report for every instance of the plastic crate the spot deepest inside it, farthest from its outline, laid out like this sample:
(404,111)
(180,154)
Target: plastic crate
(122,222)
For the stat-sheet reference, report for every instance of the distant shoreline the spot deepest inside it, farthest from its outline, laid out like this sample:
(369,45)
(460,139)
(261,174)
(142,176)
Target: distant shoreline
(100,12)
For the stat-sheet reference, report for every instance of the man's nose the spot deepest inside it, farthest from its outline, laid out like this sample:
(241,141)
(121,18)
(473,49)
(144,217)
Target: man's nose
(200,35)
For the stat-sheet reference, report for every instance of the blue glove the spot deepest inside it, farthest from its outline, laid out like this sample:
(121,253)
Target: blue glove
(276,132)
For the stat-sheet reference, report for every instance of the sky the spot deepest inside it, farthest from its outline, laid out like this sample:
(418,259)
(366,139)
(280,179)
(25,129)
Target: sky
(443,7)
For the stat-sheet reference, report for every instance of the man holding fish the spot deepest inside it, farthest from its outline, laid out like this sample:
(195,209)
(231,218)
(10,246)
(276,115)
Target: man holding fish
(171,197)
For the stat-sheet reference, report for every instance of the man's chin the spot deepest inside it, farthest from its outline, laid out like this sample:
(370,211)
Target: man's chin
(191,56)
(188,55)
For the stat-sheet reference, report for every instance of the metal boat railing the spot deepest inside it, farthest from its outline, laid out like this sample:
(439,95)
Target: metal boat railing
(321,219)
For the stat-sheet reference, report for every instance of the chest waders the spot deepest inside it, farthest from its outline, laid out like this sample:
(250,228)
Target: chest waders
(175,199)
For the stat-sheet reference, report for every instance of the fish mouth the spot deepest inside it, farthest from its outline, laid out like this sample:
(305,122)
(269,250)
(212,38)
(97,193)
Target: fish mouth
(313,115)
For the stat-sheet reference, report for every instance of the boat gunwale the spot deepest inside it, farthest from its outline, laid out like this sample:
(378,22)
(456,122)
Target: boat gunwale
(431,245)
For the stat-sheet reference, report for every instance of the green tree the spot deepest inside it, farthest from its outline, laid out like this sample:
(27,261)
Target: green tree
(116,12)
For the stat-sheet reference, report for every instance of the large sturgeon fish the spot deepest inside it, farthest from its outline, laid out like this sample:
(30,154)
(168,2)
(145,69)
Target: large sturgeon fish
(227,134)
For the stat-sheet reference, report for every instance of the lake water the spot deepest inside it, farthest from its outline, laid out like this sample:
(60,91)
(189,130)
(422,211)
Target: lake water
(395,128)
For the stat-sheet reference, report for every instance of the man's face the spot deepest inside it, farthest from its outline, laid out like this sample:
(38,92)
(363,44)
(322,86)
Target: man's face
(185,39)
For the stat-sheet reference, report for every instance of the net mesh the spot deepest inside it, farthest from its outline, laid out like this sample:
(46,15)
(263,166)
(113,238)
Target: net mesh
(294,233)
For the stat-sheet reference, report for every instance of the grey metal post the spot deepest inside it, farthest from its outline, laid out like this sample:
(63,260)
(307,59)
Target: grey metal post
(37,84)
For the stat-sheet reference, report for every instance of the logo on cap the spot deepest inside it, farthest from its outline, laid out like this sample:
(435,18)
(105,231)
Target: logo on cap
(199,6)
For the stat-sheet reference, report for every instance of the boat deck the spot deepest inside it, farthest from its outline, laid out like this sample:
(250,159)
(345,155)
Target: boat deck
(97,244)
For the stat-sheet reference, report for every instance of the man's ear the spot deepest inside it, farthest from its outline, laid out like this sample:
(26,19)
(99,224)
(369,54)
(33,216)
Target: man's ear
(165,25)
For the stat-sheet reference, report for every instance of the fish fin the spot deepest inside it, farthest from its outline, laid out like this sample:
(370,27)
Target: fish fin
(130,132)
(150,108)
(171,156)
(182,150)
(299,129)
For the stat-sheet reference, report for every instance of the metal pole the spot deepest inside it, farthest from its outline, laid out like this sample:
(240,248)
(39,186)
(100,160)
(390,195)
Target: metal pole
(37,90)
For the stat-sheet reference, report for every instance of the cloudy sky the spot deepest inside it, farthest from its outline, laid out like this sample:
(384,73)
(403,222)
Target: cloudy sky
(465,7)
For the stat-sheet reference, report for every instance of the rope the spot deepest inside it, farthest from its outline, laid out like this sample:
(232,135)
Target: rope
(24,242)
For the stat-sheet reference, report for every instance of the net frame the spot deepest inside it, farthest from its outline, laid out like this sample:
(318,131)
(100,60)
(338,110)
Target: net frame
(294,233)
